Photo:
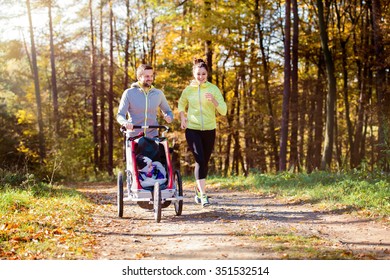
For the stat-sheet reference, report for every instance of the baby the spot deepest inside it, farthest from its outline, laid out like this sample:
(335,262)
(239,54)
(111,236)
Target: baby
(150,172)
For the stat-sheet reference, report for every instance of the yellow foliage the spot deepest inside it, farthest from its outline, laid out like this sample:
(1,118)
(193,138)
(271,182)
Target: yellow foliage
(24,117)
(25,150)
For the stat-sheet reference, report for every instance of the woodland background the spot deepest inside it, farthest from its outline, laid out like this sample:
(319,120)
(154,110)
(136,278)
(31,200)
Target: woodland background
(306,82)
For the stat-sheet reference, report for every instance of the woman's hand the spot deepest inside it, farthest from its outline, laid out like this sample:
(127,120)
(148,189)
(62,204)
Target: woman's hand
(211,98)
(183,121)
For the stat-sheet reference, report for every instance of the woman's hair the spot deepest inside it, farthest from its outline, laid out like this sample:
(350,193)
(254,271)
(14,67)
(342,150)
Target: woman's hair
(199,63)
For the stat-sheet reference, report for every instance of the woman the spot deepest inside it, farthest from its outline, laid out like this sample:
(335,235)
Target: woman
(203,99)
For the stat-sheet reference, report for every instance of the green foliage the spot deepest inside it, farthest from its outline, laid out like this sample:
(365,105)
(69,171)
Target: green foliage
(9,154)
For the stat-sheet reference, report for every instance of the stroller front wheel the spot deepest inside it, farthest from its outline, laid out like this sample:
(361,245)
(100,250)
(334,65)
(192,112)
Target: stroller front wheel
(120,194)
(179,191)
(157,202)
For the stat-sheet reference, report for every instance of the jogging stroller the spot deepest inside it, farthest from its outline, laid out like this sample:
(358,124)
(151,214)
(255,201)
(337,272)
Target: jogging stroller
(149,193)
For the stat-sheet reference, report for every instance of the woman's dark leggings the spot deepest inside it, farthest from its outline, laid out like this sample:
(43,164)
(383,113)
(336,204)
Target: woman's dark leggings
(201,144)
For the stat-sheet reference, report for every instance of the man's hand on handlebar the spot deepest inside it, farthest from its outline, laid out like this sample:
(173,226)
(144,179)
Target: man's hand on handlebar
(129,126)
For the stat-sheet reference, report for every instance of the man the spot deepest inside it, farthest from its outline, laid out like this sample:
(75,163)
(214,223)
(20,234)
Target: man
(141,102)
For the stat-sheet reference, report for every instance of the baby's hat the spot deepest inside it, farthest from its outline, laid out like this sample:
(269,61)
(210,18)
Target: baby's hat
(143,163)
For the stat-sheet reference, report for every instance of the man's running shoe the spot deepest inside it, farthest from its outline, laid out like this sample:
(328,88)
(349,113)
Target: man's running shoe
(205,200)
(197,196)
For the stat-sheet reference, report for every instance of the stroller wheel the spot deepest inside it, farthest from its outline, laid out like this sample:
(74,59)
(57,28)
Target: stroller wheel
(179,190)
(120,194)
(157,202)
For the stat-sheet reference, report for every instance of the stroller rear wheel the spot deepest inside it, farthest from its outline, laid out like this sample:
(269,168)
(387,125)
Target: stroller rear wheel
(120,194)
(157,202)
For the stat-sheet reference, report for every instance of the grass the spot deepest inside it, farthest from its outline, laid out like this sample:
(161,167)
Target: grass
(41,221)
(369,193)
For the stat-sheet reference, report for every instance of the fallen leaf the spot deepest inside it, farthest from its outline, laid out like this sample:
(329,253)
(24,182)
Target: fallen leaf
(141,255)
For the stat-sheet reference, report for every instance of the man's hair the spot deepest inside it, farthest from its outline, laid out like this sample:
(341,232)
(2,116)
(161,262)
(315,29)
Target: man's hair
(142,68)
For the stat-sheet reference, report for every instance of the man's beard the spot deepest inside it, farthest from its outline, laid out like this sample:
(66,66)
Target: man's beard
(147,84)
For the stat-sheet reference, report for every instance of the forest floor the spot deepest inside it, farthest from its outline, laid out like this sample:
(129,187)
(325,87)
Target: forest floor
(239,225)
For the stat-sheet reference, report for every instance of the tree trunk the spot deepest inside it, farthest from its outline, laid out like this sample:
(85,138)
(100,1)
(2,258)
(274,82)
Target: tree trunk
(208,44)
(368,121)
(274,144)
(310,130)
(303,103)
(344,64)
(356,151)
(229,118)
(338,143)
(331,96)
(56,116)
(286,89)
(318,113)
(94,94)
(111,99)
(145,37)
(42,146)
(294,164)
(382,89)
(346,100)
(152,46)
(127,46)
(227,156)
(237,156)
(363,72)
(102,96)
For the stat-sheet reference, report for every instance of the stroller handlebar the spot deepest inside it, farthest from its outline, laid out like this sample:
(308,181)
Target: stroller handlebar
(152,126)
(123,129)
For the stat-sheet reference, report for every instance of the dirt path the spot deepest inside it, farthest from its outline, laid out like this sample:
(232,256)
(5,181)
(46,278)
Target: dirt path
(239,225)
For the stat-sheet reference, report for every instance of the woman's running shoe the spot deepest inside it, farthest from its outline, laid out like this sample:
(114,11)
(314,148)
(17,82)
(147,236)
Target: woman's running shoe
(205,200)
(197,196)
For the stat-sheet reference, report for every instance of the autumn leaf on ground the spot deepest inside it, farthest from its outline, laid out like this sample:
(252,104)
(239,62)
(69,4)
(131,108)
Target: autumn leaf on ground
(141,255)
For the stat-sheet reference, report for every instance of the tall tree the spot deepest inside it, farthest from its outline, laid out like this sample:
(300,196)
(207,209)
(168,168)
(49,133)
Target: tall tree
(294,164)
(319,99)
(54,89)
(286,88)
(93,89)
(102,93)
(111,97)
(127,46)
(343,39)
(208,43)
(237,155)
(331,95)
(42,146)
(266,75)
(362,65)
(382,90)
